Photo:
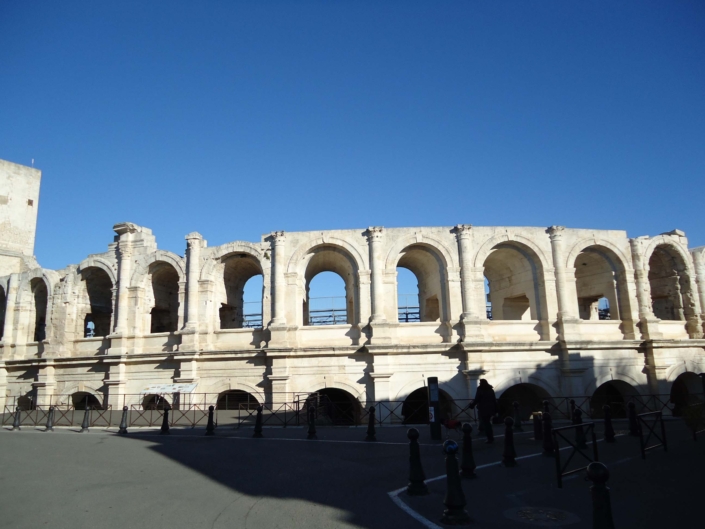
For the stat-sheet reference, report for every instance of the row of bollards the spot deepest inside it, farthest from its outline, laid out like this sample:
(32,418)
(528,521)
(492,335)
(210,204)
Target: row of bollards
(455,501)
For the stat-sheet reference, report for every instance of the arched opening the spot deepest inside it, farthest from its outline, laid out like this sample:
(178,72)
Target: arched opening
(40,297)
(407,296)
(95,302)
(3,310)
(616,394)
(335,406)
(83,399)
(235,399)
(26,402)
(670,284)
(155,402)
(529,396)
(328,301)
(416,405)
(596,282)
(515,283)
(687,389)
(165,294)
(241,295)
(428,270)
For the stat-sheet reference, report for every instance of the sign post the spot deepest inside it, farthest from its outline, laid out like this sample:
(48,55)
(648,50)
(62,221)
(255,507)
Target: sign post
(434,410)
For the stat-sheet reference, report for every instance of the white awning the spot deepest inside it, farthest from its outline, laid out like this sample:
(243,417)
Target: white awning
(160,389)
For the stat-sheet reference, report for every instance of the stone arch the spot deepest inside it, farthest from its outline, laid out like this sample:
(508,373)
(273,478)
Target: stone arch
(94,298)
(616,393)
(676,370)
(323,383)
(412,385)
(99,262)
(71,389)
(328,257)
(237,269)
(515,269)
(601,258)
(218,253)
(624,260)
(670,275)
(686,390)
(142,266)
(294,264)
(433,243)
(504,383)
(219,386)
(528,395)
(607,377)
(430,267)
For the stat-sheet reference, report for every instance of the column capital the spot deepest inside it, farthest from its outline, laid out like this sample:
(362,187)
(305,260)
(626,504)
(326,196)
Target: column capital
(278,237)
(556,232)
(462,231)
(374,233)
(193,237)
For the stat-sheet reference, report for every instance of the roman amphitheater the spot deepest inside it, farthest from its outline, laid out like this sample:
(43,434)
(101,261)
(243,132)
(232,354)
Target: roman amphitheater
(539,312)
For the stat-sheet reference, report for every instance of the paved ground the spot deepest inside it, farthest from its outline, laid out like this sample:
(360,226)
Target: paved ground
(99,479)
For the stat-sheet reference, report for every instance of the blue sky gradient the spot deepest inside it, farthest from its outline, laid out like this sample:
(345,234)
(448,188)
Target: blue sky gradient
(238,118)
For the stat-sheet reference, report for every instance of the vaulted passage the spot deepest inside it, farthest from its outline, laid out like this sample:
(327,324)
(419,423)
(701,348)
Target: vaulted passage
(95,302)
(165,298)
(686,390)
(82,400)
(241,274)
(334,406)
(616,394)
(235,399)
(431,298)
(415,409)
(670,285)
(529,396)
(40,297)
(155,402)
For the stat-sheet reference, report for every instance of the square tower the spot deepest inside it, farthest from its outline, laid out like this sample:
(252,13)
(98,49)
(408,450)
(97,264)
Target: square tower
(19,203)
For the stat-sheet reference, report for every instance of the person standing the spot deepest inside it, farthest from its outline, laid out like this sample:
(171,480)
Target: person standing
(486,403)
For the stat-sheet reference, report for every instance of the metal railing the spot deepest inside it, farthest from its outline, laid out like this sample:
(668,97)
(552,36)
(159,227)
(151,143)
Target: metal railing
(558,433)
(651,427)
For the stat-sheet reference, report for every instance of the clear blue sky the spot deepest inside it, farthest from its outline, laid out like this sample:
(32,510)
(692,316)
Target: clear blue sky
(238,118)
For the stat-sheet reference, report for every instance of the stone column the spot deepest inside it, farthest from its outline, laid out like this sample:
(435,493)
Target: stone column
(278,279)
(564,303)
(194,242)
(8,334)
(567,316)
(125,252)
(648,323)
(375,236)
(463,232)
(699,262)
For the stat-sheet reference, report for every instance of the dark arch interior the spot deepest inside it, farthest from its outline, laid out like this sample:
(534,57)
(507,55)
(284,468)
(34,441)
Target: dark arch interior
(238,269)
(687,389)
(615,394)
(3,308)
(529,396)
(335,406)
(165,286)
(100,300)
(83,399)
(415,407)
(668,284)
(155,402)
(26,402)
(40,296)
(235,399)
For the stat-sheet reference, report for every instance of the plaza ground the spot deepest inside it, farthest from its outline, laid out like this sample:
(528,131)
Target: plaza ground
(99,479)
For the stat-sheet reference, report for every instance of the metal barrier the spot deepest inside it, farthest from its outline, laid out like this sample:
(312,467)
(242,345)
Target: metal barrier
(589,428)
(658,417)
(694,416)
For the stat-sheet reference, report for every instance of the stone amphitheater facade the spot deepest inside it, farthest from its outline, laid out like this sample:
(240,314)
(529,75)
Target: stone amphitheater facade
(161,318)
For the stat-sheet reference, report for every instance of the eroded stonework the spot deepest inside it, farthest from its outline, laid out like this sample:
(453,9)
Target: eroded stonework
(161,318)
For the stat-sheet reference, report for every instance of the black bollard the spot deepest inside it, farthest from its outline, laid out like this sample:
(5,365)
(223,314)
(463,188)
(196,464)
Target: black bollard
(258,423)
(633,421)
(123,422)
(509,457)
(50,420)
(517,417)
(165,422)
(17,420)
(312,423)
(417,485)
(601,506)
(609,430)
(579,432)
(467,463)
(548,448)
(546,406)
(210,427)
(371,434)
(86,419)
(454,513)
(538,427)
(572,410)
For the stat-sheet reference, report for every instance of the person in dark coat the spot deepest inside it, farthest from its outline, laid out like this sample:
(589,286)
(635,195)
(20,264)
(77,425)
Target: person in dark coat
(486,403)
